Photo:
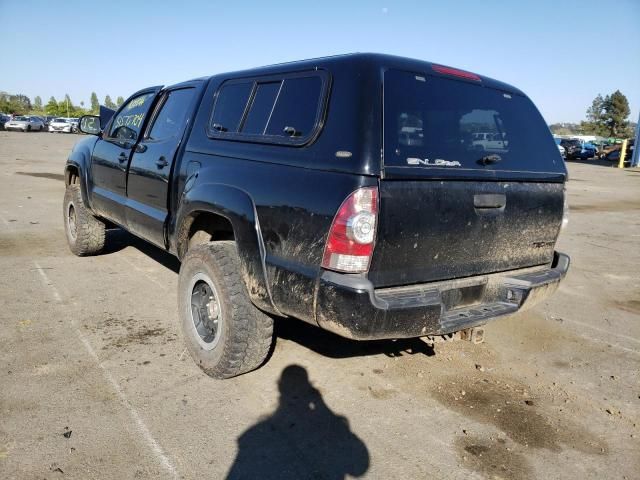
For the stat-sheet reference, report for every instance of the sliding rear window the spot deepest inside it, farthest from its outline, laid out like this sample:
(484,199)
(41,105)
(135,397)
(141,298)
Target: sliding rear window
(286,109)
(437,122)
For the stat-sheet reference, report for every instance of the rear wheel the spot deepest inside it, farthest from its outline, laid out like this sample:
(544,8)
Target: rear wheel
(224,332)
(85,233)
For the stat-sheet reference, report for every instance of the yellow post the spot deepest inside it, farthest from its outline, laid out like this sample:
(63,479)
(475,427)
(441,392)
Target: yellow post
(623,151)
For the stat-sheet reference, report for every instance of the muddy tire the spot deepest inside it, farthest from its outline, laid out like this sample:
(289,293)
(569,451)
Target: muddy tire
(85,233)
(224,332)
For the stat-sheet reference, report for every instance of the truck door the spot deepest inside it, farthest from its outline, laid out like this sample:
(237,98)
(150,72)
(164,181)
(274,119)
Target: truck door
(112,153)
(151,165)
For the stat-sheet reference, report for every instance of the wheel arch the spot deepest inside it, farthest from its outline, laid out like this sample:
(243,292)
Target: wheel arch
(224,212)
(77,167)
(75,173)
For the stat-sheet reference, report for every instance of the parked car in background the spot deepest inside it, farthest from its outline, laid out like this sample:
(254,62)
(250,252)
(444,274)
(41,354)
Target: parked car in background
(614,155)
(46,119)
(587,151)
(572,147)
(25,123)
(45,124)
(74,124)
(59,125)
(561,149)
(607,149)
(3,119)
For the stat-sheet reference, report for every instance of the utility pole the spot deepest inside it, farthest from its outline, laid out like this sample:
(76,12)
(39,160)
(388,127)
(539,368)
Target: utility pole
(67,100)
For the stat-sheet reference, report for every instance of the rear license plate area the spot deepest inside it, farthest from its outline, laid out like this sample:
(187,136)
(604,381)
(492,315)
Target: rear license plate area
(462,296)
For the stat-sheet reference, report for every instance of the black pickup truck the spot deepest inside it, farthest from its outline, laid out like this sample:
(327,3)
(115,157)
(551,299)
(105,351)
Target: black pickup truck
(345,191)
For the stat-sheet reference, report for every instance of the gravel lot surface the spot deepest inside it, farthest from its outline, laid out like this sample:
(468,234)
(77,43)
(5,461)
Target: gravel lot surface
(95,381)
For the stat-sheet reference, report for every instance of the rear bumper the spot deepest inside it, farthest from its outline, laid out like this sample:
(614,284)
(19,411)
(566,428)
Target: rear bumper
(351,307)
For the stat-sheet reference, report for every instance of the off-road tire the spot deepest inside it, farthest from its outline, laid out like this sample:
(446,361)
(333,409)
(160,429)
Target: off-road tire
(89,231)
(246,333)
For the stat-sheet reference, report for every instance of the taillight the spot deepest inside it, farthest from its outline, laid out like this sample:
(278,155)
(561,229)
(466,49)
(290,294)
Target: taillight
(353,233)
(455,72)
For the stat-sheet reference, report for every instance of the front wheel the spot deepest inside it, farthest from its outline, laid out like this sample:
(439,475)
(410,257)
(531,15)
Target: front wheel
(224,332)
(85,233)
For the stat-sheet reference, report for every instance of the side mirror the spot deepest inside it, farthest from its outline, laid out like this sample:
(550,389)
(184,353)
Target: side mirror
(89,124)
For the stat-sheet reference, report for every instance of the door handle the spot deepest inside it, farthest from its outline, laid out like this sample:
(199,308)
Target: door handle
(162,162)
(489,200)
(123,157)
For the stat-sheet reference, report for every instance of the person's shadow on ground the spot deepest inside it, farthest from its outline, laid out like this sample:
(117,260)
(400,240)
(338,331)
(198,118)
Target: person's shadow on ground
(302,439)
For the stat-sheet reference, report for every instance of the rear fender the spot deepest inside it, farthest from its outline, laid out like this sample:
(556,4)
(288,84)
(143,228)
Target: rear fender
(236,206)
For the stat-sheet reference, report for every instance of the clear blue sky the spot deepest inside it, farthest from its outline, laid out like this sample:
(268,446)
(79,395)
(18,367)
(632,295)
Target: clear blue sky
(561,53)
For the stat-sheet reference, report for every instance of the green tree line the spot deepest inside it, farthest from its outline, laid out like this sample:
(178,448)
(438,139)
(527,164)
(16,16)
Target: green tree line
(21,104)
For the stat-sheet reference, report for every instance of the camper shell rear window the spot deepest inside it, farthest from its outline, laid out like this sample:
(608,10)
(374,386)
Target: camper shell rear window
(432,121)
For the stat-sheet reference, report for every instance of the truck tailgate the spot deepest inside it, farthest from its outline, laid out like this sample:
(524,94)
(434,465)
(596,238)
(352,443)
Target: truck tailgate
(433,230)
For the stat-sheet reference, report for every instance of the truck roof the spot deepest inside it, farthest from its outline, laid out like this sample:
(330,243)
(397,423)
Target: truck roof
(353,122)
(366,61)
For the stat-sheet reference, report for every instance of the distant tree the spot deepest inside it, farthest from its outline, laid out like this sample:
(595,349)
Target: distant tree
(596,114)
(82,103)
(588,128)
(51,108)
(4,102)
(109,103)
(37,104)
(607,116)
(95,103)
(20,103)
(119,101)
(66,106)
(616,107)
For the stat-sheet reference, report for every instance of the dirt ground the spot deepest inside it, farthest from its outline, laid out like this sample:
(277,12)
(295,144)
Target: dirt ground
(95,381)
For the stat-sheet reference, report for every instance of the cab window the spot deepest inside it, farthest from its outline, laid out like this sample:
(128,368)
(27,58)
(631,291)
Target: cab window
(171,119)
(127,124)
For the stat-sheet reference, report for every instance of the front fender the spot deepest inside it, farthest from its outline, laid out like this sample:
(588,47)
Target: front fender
(80,158)
(236,206)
